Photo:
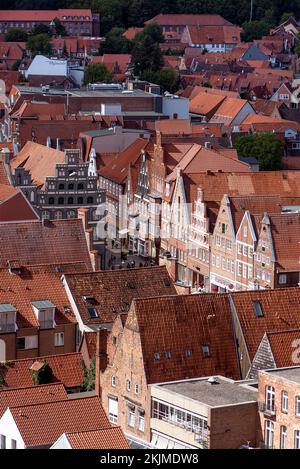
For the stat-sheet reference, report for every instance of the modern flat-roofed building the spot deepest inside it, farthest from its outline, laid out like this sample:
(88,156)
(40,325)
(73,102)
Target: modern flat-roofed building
(206,413)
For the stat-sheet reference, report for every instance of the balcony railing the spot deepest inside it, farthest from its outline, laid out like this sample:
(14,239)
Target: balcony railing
(266,410)
(6,328)
(201,434)
(47,324)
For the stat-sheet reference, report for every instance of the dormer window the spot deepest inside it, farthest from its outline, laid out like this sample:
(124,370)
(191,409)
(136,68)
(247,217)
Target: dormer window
(45,313)
(8,317)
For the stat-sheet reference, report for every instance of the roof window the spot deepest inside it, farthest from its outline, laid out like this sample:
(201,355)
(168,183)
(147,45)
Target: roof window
(92,312)
(257,309)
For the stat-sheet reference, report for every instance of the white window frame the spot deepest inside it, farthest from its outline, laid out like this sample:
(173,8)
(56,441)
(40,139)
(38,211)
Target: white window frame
(131,417)
(113,381)
(59,339)
(284,401)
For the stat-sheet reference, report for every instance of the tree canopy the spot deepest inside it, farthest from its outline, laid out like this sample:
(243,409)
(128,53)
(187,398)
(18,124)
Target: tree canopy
(97,73)
(39,44)
(16,35)
(267,149)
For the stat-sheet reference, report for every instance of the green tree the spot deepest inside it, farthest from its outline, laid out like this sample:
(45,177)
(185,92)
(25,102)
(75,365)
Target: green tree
(267,149)
(41,29)
(88,383)
(147,56)
(16,35)
(59,28)
(286,16)
(39,44)
(115,42)
(44,375)
(166,78)
(152,30)
(255,30)
(97,73)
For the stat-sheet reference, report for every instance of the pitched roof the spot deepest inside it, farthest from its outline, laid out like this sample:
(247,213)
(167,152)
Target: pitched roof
(228,110)
(173,126)
(39,160)
(35,109)
(182,325)
(31,395)
(34,242)
(42,424)
(281,343)
(280,312)
(179,20)
(204,103)
(130,33)
(106,438)
(285,230)
(15,207)
(36,283)
(90,339)
(42,15)
(66,368)
(111,292)
(214,34)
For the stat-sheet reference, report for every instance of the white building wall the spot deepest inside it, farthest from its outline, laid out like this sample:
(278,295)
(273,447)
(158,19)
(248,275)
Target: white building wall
(44,66)
(9,429)
(179,106)
(61,443)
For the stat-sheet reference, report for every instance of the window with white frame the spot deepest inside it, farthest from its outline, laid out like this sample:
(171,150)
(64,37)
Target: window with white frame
(136,389)
(245,231)
(59,339)
(269,434)
(128,385)
(239,246)
(270,398)
(13,444)
(2,442)
(283,437)
(282,279)
(284,401)
(297,439)
(245,250)
(131,416)
(113,381)
(141,422)
(297,406)
(113,409)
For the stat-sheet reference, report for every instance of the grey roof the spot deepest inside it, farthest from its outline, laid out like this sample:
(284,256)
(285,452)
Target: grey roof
(226,392)
(7,308)
(292,373)
(43,304)
(85,93)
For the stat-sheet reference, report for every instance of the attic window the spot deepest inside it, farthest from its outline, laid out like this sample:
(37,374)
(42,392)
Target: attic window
(257,309)
(89,299)
(157,356)
(167,282)
(168,354)
(206,350)
(92,312)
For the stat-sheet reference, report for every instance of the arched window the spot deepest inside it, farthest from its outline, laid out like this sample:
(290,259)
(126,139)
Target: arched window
(90,200)
(51,201)
(61,186)
(80,186)
(45,215)
(70,187)
(58,215)
(61,201)
(70,200)
(80,200)
(71,214)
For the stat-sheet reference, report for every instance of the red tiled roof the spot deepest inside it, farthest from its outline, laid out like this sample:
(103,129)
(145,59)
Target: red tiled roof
(3,174)
(228,110)
(183,20)
(280,312)
(31,395)
(132,32)
(111,60)
(42,15)
(181,324)
(35,109)
(91,342)
(106,438)
(113,290)
(215,34)
(39,160)
(66,368)
(285,230)
(42,424)
(16,208)
(281,343)
(35,284)
(205,103)
(173,126)
(34,242)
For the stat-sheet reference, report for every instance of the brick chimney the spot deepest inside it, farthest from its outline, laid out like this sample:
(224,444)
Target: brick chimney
(101,358)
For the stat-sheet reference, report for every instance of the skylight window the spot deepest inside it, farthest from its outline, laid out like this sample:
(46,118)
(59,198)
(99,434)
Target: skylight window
(257,309)
(92,312)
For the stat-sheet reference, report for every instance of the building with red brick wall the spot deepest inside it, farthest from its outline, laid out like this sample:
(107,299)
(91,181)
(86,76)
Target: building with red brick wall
(78,22)
(279,408)
(164,339)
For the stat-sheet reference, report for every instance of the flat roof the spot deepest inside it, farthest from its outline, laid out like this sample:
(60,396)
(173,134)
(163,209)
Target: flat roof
(292,373)
(225,392)
(85,93)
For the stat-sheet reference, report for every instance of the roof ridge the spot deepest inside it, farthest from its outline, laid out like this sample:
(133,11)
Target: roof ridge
(56,402)
(40,358)
(35,386)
